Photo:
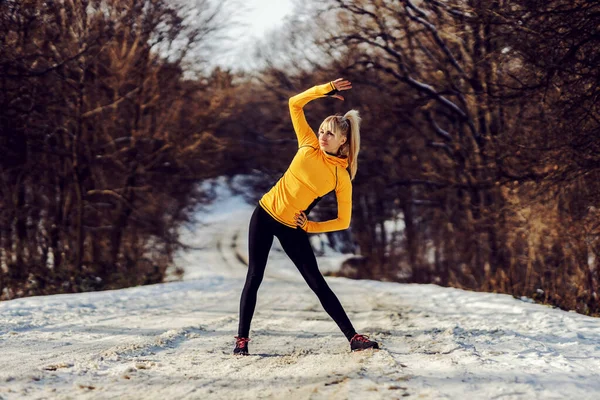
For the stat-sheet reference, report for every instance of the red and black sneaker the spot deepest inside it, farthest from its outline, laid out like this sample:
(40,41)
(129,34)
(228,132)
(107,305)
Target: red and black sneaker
(241,346)
(361,342)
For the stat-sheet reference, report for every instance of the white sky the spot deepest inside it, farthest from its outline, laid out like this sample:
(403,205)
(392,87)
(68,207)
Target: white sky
(251,21)
(266,14)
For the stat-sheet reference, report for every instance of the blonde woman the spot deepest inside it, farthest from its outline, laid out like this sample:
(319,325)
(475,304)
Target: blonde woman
(322,164)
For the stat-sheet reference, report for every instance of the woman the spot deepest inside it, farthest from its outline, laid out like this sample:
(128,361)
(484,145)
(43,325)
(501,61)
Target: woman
(320,166)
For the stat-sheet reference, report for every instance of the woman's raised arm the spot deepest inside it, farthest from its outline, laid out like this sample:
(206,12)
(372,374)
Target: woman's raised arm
(306,136)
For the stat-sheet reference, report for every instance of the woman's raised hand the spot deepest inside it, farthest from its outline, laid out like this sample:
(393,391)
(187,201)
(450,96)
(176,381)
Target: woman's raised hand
(341,84)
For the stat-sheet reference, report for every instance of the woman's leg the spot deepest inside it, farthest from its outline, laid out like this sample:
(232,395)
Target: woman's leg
(259,244)
(297,246)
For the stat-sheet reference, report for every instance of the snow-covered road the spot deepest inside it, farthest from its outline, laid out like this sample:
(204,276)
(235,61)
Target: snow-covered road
(175,340)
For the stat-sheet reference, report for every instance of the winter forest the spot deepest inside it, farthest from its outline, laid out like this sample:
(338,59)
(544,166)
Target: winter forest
(480,138)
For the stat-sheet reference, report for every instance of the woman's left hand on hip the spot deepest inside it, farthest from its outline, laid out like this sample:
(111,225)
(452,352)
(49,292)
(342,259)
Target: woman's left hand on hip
(300,218)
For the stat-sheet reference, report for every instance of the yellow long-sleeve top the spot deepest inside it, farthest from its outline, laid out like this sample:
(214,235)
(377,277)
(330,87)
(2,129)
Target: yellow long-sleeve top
(312,174)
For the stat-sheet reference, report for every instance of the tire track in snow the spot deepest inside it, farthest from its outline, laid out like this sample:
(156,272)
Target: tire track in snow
(227,247)
(146,346)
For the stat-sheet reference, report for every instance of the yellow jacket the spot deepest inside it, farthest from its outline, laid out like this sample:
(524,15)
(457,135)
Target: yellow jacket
(312,174)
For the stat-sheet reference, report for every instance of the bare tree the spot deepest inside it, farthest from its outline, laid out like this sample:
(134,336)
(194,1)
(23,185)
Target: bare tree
(104,158)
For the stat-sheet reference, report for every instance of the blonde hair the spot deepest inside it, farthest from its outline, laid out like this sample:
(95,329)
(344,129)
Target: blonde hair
(349,123)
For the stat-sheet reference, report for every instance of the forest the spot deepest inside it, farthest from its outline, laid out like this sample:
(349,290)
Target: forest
(478,166)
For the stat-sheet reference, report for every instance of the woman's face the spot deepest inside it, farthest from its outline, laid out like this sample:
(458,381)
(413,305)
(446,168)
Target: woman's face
(330,141)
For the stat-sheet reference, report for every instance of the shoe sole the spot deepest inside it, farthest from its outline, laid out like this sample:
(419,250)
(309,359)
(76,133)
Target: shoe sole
(369,348)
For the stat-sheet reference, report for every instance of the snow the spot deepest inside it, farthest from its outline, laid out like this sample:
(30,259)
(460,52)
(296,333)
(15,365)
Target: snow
(175,340)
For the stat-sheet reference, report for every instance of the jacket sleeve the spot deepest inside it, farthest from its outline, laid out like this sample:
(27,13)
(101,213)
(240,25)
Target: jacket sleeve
(343,194)
(306,136)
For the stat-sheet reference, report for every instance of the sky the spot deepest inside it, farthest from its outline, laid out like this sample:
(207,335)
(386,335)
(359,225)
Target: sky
(252,21)
(266,14)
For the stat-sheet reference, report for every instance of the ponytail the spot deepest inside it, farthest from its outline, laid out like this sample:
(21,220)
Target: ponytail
(354,139)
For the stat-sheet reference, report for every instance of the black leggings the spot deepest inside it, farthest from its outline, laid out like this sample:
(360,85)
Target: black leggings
(296,245)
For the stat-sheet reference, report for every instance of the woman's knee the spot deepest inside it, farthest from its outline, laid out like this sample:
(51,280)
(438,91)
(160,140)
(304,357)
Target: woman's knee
(255,274)
(318,284)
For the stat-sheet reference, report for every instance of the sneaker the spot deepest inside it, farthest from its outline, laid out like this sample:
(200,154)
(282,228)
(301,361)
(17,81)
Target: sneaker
(361,342)
(241,346)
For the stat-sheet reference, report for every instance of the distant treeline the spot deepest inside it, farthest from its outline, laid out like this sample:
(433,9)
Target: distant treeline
(478,158)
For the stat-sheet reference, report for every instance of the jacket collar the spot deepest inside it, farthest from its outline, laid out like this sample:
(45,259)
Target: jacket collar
(335,160)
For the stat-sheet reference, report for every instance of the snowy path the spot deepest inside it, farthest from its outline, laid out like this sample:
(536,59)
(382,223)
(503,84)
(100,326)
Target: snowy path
(175,340)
